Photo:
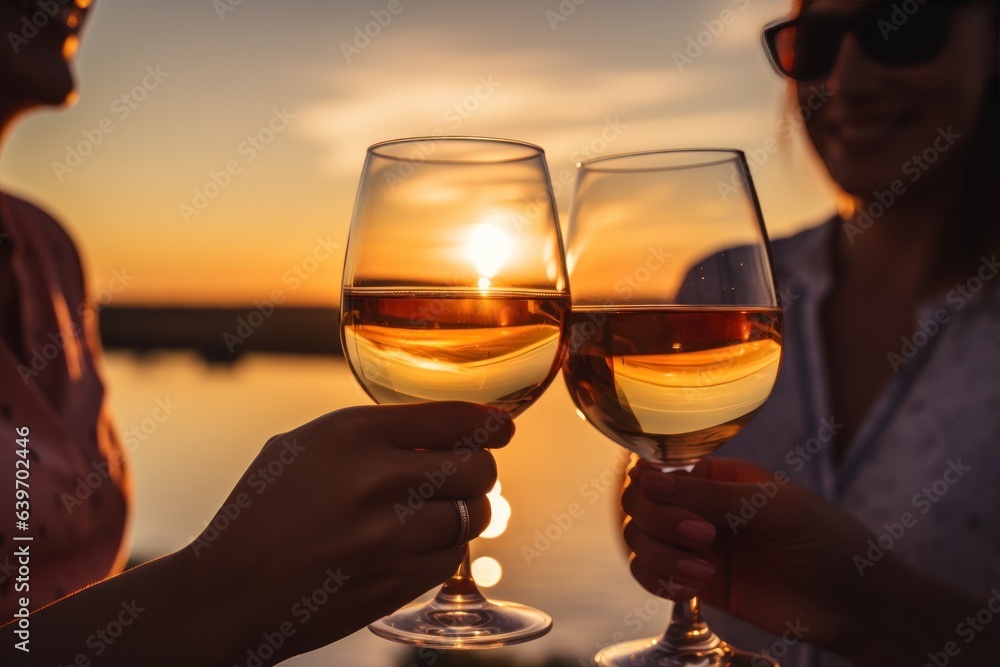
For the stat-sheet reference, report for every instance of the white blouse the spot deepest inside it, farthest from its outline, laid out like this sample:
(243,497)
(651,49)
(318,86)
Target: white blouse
(929,447)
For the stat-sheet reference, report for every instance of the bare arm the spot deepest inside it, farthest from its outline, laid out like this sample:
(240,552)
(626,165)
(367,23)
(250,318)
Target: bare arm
(319,538)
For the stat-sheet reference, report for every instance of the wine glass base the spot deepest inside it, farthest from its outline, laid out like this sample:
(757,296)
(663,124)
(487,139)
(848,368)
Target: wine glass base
(461,626)
(648,653)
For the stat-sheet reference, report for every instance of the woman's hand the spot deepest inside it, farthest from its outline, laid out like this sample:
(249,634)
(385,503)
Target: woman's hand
(750,542)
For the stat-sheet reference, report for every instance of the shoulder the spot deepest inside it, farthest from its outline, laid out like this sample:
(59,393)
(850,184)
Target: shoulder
(41,221)
(49,233)
(790,246)
(807,250)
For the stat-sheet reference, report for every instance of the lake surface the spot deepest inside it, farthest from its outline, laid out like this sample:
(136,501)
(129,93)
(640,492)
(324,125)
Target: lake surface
(187,465)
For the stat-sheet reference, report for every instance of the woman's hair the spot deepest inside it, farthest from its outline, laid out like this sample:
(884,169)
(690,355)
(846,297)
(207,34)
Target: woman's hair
(980,214)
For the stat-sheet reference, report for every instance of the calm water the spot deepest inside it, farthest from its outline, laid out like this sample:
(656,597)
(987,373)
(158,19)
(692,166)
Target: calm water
(186,466)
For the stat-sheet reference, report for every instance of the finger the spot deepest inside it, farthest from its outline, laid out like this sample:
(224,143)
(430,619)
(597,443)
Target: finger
(774,504)
(668,523)
(445,425)
(431,474)
(680,565)
(664,587)
(437,525)
(714,468)
(436,426)
(731,470)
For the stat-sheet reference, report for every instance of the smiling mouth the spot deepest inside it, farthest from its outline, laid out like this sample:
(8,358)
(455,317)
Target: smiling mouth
(866,131)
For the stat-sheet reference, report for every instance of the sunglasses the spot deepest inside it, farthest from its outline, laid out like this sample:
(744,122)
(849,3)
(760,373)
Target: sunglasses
(806,48)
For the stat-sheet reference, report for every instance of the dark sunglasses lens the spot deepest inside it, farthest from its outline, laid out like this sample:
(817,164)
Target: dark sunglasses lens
(807,49)
(892,37)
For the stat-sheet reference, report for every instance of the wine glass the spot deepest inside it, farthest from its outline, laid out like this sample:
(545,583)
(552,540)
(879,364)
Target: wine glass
(675,331)
(455,289)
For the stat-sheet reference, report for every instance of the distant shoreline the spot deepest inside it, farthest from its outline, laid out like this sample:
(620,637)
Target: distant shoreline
(222,335)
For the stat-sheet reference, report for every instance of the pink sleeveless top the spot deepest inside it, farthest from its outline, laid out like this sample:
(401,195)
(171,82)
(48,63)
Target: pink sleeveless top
(77,480)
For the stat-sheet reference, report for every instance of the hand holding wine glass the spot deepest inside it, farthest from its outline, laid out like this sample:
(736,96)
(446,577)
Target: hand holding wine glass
(793,561)
(675,337)
(455,289)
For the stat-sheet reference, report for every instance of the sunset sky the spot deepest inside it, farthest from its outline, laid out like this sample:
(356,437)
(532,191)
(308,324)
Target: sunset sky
(280,100)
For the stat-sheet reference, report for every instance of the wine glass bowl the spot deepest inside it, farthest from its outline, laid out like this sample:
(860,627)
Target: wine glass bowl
(675,330)
(672,385)
(455,289)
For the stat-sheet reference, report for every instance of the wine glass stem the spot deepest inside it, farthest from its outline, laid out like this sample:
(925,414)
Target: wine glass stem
(688,631)
(461,587)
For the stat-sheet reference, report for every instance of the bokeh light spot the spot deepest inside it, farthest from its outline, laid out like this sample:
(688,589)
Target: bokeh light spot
(486,571)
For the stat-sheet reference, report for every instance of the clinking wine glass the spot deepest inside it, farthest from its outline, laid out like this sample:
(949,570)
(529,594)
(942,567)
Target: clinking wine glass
(455,289)
(675,334)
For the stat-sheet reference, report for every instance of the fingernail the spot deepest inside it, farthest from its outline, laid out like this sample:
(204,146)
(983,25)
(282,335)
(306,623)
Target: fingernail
(658,483)
(700,531)
(697,568)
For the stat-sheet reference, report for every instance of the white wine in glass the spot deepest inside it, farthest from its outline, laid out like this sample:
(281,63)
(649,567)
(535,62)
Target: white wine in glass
(455,289)
(675,334)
